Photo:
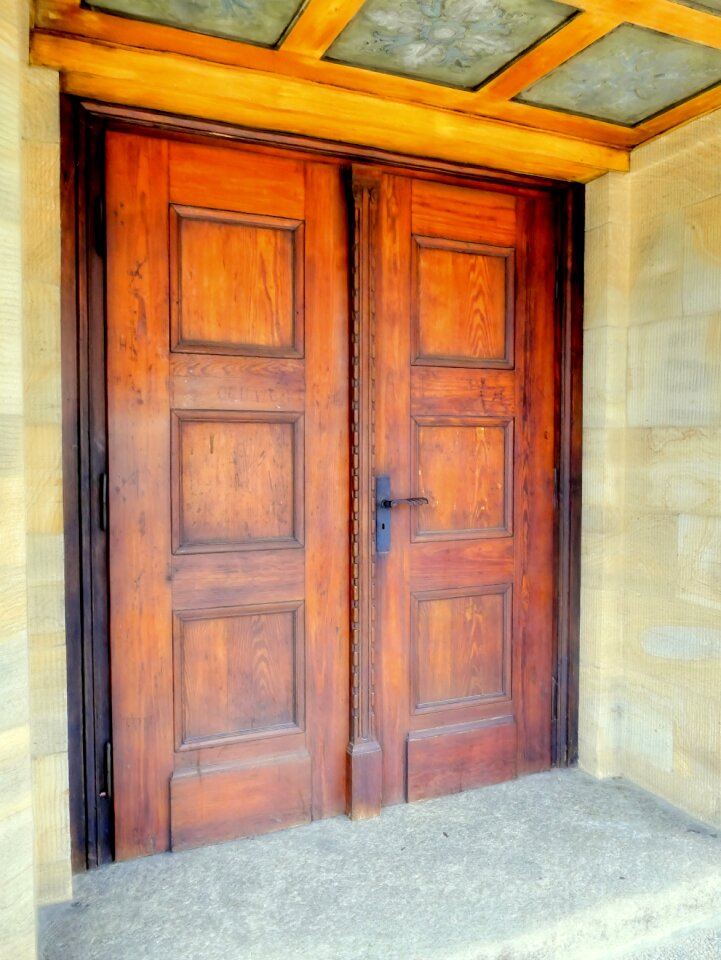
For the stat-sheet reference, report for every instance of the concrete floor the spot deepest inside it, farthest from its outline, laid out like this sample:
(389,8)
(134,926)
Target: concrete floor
(551,867)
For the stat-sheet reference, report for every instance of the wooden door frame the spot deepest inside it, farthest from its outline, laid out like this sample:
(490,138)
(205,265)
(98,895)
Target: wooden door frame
(83,125)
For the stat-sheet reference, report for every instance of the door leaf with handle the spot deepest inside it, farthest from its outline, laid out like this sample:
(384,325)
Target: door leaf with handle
(384,505)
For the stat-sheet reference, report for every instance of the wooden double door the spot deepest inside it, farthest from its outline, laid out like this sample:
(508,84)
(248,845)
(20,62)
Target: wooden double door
(288,338)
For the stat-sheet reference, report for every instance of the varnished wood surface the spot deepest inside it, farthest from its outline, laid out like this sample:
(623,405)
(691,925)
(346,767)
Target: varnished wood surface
(229,565)
(483,279)
(138,464)
(177,83)
(228,801)
(247,383)
(294,83)
(327,466)
(535,487)
(464,613)
(364,751)
(319,24)
(477,666)
(250,683)
(461,758)
(268,323)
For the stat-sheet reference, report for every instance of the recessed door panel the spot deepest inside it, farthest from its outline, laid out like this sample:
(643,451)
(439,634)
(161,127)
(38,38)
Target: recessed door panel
(237,283)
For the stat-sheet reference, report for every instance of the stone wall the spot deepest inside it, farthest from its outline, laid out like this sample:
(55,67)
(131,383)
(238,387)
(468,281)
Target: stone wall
(651,630)
(34,833)
(17,882)
(43,477)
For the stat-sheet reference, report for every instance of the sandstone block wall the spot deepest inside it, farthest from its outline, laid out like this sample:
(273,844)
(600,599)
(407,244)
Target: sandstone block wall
(651,630)
(17,881)
(43,482)
(34,831)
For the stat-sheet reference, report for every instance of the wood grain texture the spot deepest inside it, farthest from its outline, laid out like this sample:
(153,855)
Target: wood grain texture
(318,25)
(460,758)
(393,459)
(278,193)
(252,685)
(182,84)
(221,579)
(461,646)
(442,392)
(666,16)
(464,467)
(248,383)
(364,797)
(327,467)
(576,35)
(476,328)
(237,481)
(212,804)
(458,214)
(233,485)
(240,383)
(534,485)
(299,58)
(489,525)
(254,305)
(139,455)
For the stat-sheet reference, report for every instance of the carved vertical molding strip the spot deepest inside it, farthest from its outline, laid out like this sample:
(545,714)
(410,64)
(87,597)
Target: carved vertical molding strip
(364,753)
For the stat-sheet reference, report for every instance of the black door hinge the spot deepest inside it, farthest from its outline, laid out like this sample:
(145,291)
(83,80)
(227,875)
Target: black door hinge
(99,225)
(107,790)
(103,501)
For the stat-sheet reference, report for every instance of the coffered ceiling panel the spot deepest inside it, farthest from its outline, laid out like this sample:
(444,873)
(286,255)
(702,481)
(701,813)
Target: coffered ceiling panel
(454,42)
(713,6)
(255,21)
(628,76)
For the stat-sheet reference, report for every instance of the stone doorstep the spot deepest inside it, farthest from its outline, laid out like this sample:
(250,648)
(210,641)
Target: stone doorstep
(557,866)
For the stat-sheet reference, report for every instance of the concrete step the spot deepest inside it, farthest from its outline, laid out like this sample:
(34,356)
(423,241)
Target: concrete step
(556,866)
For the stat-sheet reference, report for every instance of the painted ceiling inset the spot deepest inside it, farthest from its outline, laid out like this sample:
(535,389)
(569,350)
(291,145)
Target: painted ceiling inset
(254,21)
(628,76)
(709,6)
(459,43)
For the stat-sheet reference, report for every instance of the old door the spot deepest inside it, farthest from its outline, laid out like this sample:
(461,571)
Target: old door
(228,461)
(464,417)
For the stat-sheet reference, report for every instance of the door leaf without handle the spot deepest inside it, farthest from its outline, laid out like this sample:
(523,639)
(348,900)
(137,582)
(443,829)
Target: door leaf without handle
(384,505)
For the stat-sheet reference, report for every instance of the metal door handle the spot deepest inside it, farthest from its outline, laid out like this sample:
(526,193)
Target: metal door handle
(384,504)
(411,501)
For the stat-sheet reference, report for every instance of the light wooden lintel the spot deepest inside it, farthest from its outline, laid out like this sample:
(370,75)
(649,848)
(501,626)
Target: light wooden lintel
(191,87)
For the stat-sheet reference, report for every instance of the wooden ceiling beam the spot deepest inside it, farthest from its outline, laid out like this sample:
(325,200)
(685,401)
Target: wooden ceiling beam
(300,58)
(184,85)
(65,16)
(688,110)
(68,17)
(318,25)
(665,16)
(580,33)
